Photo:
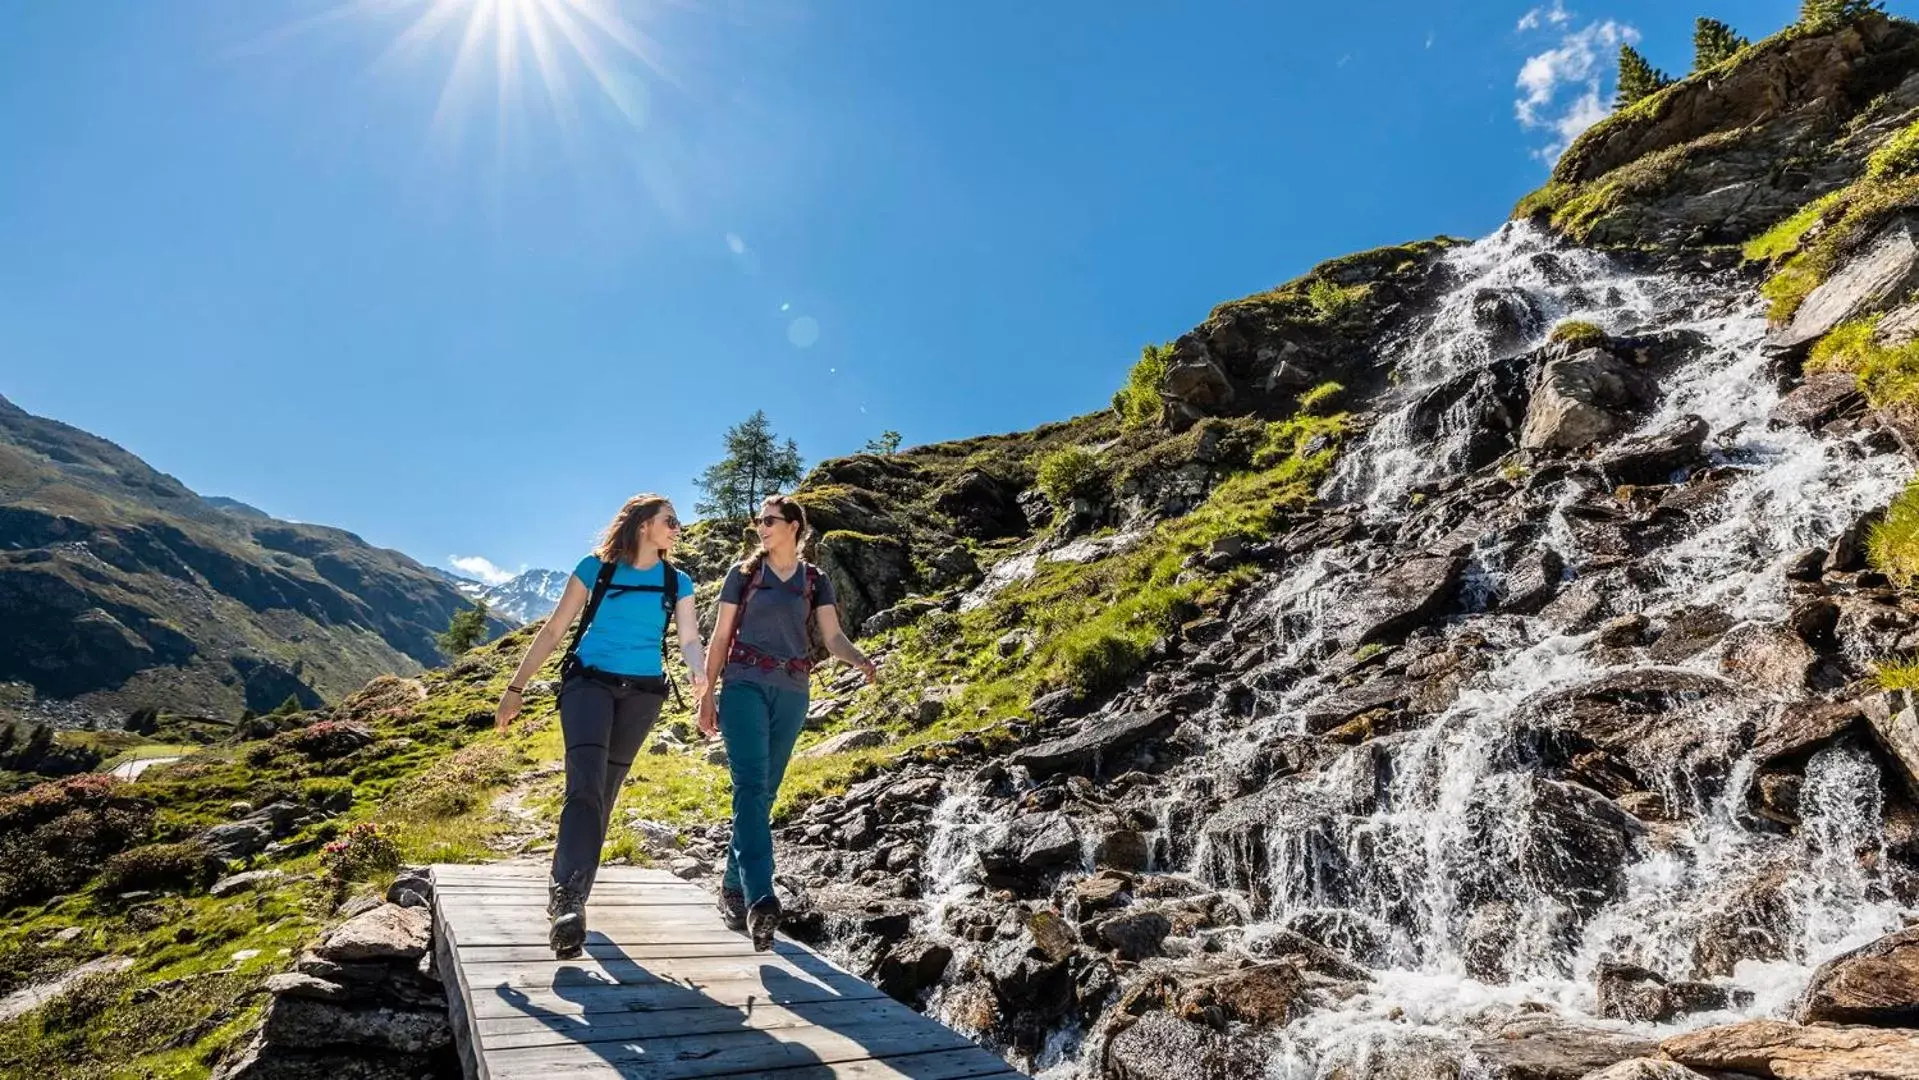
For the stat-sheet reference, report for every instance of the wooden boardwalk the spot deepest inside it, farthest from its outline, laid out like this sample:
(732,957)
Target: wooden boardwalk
(664,991)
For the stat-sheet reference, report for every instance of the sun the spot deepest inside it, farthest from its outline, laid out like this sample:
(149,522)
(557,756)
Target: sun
(574,49)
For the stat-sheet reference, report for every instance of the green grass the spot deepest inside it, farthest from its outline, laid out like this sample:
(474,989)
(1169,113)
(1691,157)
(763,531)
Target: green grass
(1896,156)
(1845,348)
(1893,545)
(1897,674)
(1784,238)
(1577,334)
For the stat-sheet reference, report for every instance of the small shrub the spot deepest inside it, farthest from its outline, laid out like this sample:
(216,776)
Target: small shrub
(323,741)
(1577,334)
(1898,156)
(85,999)
(1138,403)
(1332,300)
(54,836)
(363,852)
(1893,545)
(1069,473)
(159,867)
(328,793)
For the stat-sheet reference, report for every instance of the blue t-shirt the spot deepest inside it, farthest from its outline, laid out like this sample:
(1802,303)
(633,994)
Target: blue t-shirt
(625,636)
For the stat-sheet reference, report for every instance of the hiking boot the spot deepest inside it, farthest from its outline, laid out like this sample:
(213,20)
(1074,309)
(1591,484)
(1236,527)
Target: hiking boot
(761,922)
(733,909)
(566,904)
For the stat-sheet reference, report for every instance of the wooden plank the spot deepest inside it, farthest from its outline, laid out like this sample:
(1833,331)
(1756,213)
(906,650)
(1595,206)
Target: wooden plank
(733,1052)
(691,916)
(694,970)
(730,945)
(535,934)
(517,1032)
(541,872)
(491,1003)
(466,1040)
(601,898)
(973,1064)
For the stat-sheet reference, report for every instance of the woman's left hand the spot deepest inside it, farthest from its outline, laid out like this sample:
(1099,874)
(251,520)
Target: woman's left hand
(871,671)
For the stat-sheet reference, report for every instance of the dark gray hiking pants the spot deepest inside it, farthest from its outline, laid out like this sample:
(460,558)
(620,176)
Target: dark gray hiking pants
(603,727)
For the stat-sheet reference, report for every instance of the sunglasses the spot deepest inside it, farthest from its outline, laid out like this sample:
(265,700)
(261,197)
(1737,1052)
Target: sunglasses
(770,520)
(670,521)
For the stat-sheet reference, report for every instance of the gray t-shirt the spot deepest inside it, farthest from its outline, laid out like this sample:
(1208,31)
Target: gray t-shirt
(774,622)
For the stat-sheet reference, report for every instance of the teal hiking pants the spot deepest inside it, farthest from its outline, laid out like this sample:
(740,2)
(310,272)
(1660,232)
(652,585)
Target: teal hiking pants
(760,724)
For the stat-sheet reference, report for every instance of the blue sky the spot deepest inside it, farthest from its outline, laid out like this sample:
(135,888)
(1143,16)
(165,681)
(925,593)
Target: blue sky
(303,255)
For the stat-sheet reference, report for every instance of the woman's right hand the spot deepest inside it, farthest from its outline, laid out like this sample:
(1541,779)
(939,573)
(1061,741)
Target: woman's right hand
(709,715)
(509,709)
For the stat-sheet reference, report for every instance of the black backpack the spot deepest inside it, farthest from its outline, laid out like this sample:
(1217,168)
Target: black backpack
(669,592)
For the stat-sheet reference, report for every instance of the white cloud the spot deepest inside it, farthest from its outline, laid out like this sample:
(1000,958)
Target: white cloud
(479,566)
(1557,15)
(735,244)
(1562,89)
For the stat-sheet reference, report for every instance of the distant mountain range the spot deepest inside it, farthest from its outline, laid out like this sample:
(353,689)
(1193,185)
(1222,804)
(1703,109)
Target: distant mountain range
(528,597)
(122,588)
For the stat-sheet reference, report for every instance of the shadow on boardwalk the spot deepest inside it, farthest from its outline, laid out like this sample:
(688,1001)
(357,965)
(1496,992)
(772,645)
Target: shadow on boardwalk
(639,1022)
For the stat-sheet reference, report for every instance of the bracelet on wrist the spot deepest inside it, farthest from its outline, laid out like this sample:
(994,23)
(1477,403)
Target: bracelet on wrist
(521,690)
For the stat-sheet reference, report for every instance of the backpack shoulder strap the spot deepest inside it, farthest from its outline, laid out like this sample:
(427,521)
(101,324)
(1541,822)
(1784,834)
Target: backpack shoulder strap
(812,587)
(600,582)
(670,587)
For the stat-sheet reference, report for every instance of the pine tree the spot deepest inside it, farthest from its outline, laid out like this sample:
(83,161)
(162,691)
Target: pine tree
(1831,14)
(755,466)
(1637,78)
(887,443)
(466,629)
(288,707)
(1713,42)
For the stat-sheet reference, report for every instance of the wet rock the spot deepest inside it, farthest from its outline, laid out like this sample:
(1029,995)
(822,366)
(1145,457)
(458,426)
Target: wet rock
(1548,1048)
(1635,994)
(1124,849)
(1487,404)
(1036,843)
(1336,709)
(1099,741)
(1749,922)
(920,791)
(1052,934)
(1876,984)
(1261,995)
(911,967)
(1531,582)
(1404,597)
(1796,730)
(1821,399)
(1647,1069)
(1639,714)
(1582,399)
(1568,841)
(1102,892)
(1578,606)
(1768,659)
(1895,722)
(1807,564)
(1624,632)
(1159,1046)
(1654,457)
(1776,1048)
(1688,633)
(1487,940)
(1134,935)
(388,932)
(1885,270)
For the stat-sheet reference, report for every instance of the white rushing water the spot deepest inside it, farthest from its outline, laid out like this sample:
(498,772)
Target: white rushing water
(1447,805)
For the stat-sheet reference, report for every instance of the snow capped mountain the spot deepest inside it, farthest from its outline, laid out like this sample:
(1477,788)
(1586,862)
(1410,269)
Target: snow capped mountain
(528,597)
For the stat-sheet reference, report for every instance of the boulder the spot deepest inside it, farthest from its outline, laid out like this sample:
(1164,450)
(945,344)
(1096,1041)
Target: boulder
(239,883)
(1124,849)
(1647,1069)
(1134,935)
(1797,729)
(1098,741)
(1263,995)
(1567,841)
(1531,582)
(304,1024)
(1159,1046)
(982,506)
(1654,457)
(388,932)
(1192,389)
(1034,843)
(845,742)
(1876,984)
(1403,598)
(910,967)
(869,573)
(1885,270)
(1769,659)
(1896,723)
(1637,995)
(1824,397)
(1545,1047)
(1775,1048)
(1582,399)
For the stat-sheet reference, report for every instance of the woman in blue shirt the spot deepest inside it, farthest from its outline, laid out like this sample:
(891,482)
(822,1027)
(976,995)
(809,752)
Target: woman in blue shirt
(612,686)
(765,664)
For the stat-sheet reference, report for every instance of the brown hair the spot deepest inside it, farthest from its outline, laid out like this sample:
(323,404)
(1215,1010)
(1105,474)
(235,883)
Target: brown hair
(621,540)
(791,511)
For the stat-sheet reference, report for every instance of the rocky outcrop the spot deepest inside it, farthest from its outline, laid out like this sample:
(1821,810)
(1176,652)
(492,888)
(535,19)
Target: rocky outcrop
(1883,272)
(1875,984)
(1774,1048)
(1582,398)
(365,1002)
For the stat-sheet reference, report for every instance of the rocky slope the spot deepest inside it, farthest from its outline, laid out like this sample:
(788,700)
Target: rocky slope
(123,589)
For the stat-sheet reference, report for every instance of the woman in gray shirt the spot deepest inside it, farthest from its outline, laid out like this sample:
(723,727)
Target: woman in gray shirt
(764,664)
